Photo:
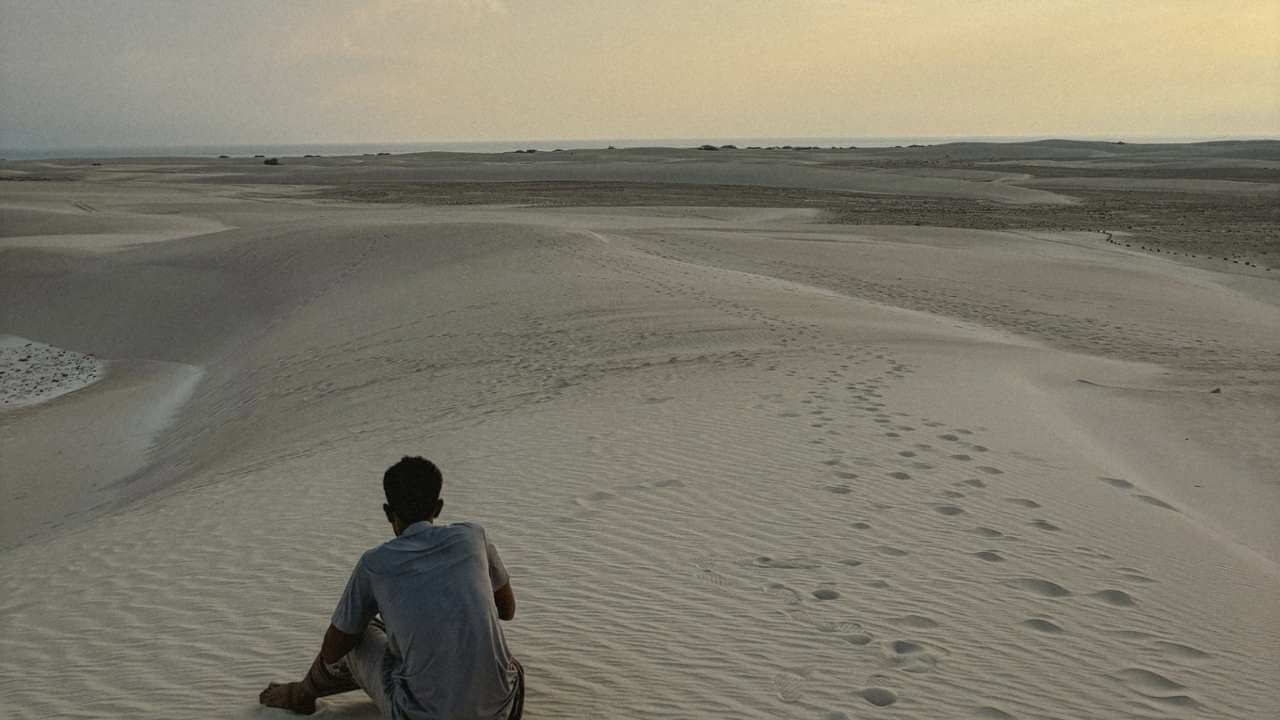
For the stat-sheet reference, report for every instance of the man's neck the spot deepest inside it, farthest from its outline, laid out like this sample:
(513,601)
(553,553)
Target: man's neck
(399,529)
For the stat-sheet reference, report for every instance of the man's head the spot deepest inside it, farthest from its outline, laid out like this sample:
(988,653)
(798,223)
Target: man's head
(412,487)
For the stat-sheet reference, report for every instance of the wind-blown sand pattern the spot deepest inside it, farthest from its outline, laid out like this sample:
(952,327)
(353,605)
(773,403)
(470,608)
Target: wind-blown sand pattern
(741,461)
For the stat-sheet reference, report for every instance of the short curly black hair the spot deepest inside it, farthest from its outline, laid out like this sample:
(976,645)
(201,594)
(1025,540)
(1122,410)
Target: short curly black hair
(412,487)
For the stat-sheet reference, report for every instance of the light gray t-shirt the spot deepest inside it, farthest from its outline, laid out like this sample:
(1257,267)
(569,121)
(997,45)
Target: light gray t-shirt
(434,586)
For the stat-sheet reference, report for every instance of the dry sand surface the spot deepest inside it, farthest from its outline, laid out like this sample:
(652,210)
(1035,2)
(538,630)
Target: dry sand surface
(748,451)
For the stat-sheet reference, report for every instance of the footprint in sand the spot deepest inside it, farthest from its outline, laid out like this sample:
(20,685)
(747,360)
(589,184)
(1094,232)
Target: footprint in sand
(911,656)
(987,532)
(827,625)
(850,562)
(1036,586)
(1117,483)
(857,638)
(907,453)
(1157,502)
(1042,625)
(990,470)
(833,462)
(899,476)
(1118,598)
(948,510)
(860,526)
(782,593)
(1155,686)
(1044,525)
(989,556)
(843,475)
(917,622)
(890,551)
(949,437)
(1023,502)
(789,687)
(961,457)
(878,696)
(1180,651)
(973,482)
(791,563)
(711,577)
(826,593)
(838,489)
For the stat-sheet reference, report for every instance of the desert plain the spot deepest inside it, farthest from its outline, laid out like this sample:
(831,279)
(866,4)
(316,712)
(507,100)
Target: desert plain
(954,431)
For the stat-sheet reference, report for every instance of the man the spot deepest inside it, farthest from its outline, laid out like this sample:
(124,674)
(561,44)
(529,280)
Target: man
(438,652)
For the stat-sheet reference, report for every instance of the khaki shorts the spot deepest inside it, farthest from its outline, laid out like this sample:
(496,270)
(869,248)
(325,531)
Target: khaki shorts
(371,661)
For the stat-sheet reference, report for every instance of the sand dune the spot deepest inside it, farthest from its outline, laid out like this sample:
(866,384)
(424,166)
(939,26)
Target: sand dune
(739,462)
(57,222)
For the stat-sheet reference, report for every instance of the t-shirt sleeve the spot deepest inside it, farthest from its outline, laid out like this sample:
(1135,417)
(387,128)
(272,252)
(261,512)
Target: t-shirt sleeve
(358,605)
(497,571)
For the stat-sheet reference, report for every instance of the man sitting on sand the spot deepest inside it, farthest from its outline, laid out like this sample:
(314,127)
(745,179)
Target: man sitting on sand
(438,650)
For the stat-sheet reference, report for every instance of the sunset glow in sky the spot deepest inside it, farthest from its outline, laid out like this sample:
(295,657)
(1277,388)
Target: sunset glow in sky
(125,72)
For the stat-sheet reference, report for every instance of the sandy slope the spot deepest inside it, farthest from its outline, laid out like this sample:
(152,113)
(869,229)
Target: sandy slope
(740,464)
(86,218)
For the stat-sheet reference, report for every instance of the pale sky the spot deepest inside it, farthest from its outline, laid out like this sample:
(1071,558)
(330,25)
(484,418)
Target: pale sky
(135,72)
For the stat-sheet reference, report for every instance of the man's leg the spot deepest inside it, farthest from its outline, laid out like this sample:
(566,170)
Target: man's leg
(367,663)
(323,680)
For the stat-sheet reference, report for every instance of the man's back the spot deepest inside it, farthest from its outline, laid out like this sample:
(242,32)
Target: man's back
(434,586)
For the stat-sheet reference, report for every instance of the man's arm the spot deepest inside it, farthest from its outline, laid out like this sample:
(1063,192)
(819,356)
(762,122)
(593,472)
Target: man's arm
(505,599)
(337,644)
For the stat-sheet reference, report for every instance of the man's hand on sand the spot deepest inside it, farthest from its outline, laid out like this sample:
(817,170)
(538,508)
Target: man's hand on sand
(289,696)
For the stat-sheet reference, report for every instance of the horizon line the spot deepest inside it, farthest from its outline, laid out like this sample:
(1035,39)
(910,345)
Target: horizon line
(1091,137)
